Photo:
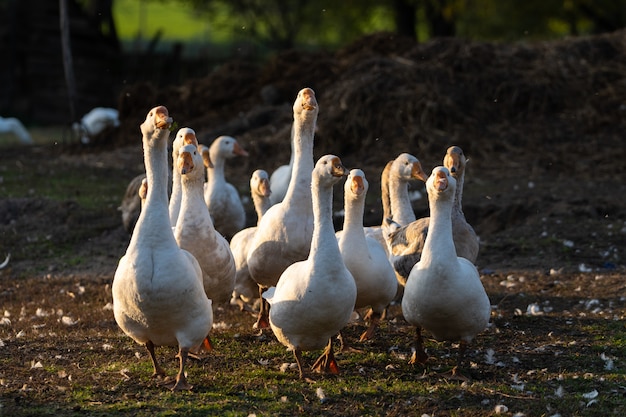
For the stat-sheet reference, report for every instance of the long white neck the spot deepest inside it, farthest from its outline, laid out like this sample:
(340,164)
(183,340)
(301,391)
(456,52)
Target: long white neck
(299,190)
(175,198)
(324,244)
(353,220)
(192,196)
(216,174)
(401,209)
(439,245)
(261,204)
(156,211)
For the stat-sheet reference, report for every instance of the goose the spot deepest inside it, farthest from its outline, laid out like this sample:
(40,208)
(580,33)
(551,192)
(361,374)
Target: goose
(158,296)
(394,187)
(15,126)
(96,121)
(221,197)
(184,136)
(443,293)
(284,233)
(280,178)
(195,232)
(407,242)
(364,256)
(131,203)
(314,298)
(246,289)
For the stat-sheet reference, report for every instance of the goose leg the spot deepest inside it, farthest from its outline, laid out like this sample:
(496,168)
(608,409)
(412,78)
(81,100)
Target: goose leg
(374,319)
(298,354)
(455,373)
(158,371)
(263,320)
(326,362)
(419,353)
(181,379)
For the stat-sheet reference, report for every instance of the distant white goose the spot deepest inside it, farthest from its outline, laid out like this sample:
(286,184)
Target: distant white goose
(221,197)
(284,233)
(314,298)
(279,181)
(246,289)
(184,136)
(407,242)
(443,293)
(364,256)
(13,125)
(95,122)
(158,297)
(194,230)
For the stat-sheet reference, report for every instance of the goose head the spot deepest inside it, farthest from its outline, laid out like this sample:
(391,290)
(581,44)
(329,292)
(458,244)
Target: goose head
(143,190)
(305,106)
(330,168)
(408,167)
(226,147)
(356,185)
(157,120)
(186,136)
(455,161)
(441,184)
(260,183)
(188,160)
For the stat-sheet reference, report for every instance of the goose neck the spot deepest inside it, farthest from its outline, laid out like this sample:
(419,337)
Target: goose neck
(400,204)
(300,183)
(439,244)
(324,243)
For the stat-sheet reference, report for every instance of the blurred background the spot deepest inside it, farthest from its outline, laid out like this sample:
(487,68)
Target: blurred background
(62,58)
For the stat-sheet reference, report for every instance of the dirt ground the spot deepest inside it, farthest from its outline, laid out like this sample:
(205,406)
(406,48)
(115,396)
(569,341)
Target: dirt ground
(544,189)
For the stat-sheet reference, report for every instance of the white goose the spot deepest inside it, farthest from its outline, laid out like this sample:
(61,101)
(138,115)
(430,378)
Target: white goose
(15,126)
(314,298)
(443,293)
(284,233)
(184,136)
(96,121)
(194,230)
(364,256)
(158,297)
(246,289)
(221,197)
(407,242)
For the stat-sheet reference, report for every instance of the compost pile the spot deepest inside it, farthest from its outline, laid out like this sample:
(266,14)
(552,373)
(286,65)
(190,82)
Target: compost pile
(385,93)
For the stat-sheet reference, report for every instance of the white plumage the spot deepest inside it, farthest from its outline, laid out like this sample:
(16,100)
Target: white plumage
(195,232)
(284,233)
(246,289)
(364,256)
(314,298)
(221,197)
(95,122)
(443,293)
(184,136)
(158,297)
(13,125)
